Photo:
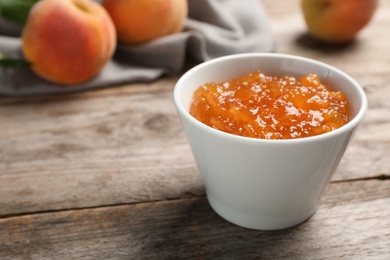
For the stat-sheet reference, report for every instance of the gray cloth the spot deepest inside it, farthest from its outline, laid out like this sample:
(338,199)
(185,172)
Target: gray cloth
(214,28)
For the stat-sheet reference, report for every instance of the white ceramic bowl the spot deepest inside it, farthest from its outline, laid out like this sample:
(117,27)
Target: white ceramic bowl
(257,183)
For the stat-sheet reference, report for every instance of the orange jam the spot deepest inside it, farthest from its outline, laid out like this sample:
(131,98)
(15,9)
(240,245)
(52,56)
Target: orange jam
(270,107)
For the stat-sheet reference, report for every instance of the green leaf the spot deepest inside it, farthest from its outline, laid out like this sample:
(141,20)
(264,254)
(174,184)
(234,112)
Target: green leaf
(12,63)
(16,10)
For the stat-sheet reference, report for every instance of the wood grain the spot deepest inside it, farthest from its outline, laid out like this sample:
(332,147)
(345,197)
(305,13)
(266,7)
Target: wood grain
(348,225)
(104,150)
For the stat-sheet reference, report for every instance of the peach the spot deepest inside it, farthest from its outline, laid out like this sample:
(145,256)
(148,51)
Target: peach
(337,21)
(140,21)
(68,41)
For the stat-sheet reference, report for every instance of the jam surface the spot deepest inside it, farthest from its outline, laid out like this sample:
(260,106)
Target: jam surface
(269,107)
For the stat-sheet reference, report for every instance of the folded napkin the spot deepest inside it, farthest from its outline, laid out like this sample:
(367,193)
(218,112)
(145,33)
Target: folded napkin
(214,28)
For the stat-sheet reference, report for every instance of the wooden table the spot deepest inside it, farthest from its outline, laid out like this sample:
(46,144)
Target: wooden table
(108,174)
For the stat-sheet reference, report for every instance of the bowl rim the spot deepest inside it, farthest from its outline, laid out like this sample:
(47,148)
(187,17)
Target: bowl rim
(349,126)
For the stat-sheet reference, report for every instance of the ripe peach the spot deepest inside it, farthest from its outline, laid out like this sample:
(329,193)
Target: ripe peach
(139,21)
(68,41)
(337,20)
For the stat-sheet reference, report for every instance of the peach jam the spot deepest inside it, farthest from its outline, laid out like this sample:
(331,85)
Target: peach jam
(270,107)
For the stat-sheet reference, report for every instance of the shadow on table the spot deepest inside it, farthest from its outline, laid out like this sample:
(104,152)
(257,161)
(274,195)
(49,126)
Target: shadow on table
(192,230)
(306,40)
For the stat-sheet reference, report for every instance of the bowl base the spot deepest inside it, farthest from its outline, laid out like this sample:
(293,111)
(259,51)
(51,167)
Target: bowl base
(258,221)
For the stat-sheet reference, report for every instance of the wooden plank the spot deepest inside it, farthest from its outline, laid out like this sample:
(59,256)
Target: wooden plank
(353,222)
(126,145)
(72,153)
